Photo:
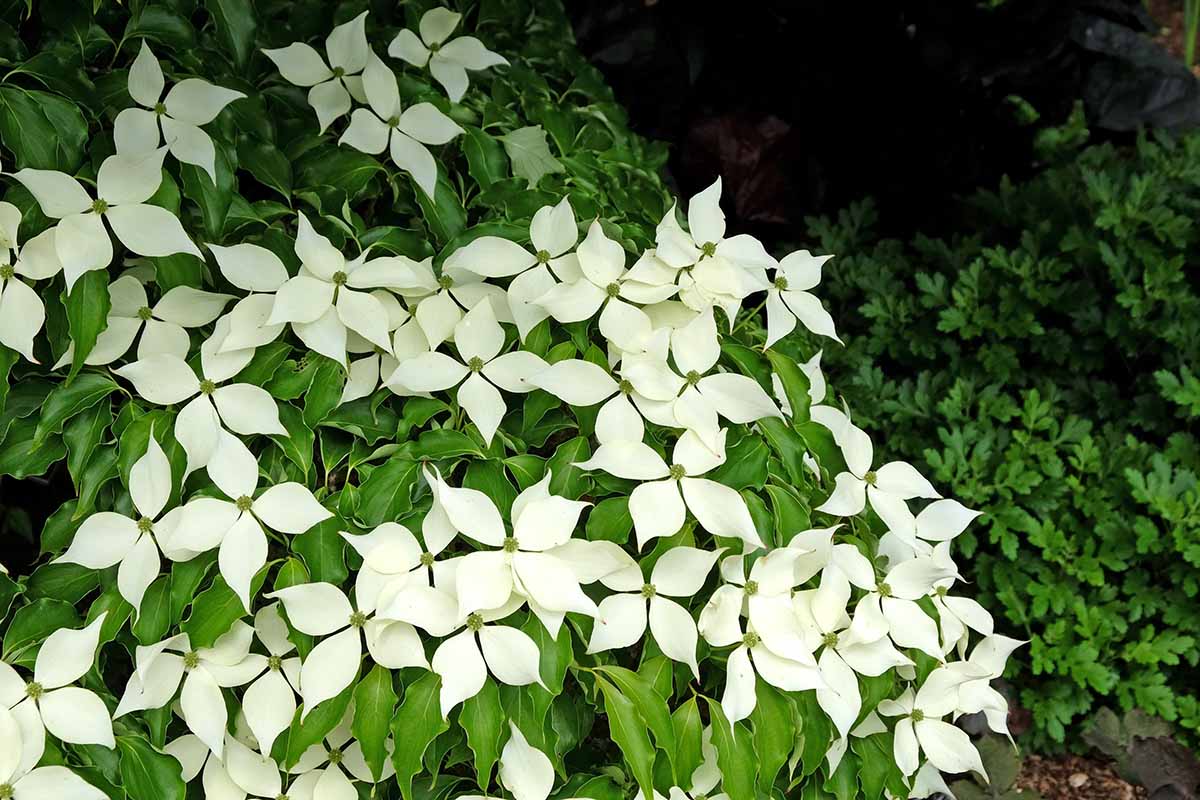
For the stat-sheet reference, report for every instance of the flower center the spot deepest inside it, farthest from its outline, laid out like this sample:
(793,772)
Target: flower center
(358,619)
(781,283)
(339,278)
(942,591)
(393,121)
(144,313)
(99,205)
(282,797)
(160,108)
(511,545)
(145,524)
(692,378)
(244,503)
(207,386)
(751,587)
(543,257)
(648,590)
(613,289)
(475,364)
(34,690)
(445,281)
(917,715)
(885,590)
(676,472)
(338,72)
(830,640)
(870,478)
(427,559)
(191,660)
(7,272)
(626,387)
(275,663)
(708,249)
(6,791)
(433,48)
(335,755)
(474,622)
(751,640)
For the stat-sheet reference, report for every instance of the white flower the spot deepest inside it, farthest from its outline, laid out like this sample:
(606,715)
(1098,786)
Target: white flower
(975,693)
(166,379)
(958,614)
(332,85)
(887,487)
(465,659)
(940,521)
(49,702)
(256,270)
(442,300)
(123,184)
(621,618)
(322,609)
(921,728)
(161,667)
(322,768)
(789,300)
(403,135)
(239,771)
(393,560)
(553,232)
(480,369)
(36,784)
(659,506)
(190,103)
(22,312)
(364,374)
(270,702)
(448,60)
(107,538)
(325,299)
(541,521)
(163,324)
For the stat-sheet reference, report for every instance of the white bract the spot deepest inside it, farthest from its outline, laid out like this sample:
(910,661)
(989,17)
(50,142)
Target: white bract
(333,84)
(921,727)
(238,772)
(22,312)
(448,61)
(123,185)
(403,134)
(789,300)
(270,702)
(524,770)
(191,103)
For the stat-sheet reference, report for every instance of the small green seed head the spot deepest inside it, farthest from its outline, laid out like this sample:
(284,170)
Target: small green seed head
(626,387)
(34,690)
(543,257)
(474,622)
(676,472)
(781,283)
(244,503)
(692,377)
(648,590)
(427,559)
(751,640)
(191,660)
(613,289)
(708,249)
(885,590)
(393,121)
(7,272)
(870,478)
(6,791)
(358,619)
(830,640)
(99,205)
(338,72)
(433,48)
(282,797)
(144,313)
(145,524)
(942,591)
(336,756)
(339,278)
(160,108)
(445,281)
(511,545)
(917,715)
(207,386)
(751,587)
(274,663)
(475,364)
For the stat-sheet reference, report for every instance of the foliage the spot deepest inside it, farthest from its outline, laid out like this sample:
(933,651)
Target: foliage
(382,467)
(1042,363)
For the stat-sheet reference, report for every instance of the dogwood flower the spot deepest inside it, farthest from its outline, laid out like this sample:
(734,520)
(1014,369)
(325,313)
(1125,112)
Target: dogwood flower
(22,312)
(921,727)
(191,103)
(464,660)
(448,61)
(322,609)
(163,325)
(442,300)
(49,702)
(553,232)
(260,272)
(166,379)
(34,784)
(323,768)
(239,772)
(270,701)
(487,579)
(940,521)
(480,369)
(621,618)
(789,300)
(887,487)
(106,538)
(403,134)
(161,668)
(975,693)
(327,297)
(123,185)
(334,84)
(958,614)
(364,374)
(645,380)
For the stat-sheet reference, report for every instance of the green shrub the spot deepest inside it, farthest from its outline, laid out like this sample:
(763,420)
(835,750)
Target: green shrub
(1044,364)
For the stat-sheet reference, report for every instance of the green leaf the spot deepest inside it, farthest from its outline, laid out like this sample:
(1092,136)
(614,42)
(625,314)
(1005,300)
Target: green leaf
(178,269)
(879,769)
(444,214)
(236,25)
(213,199)
(482,718)
(69,399)
(387,493)
(374,702)
(568,480)
(795,384)
(323,718)
(774,724)
(43,130)
(745,465)
(530,154)
(324,552)
(610,520)
(843,783)
(31,624)
(154,621)
(628,730)
(147,774)
(298,444)
(81,434)
(67,582)
(415,726)
(325,392)
(87,307)
(650,705)
(267,164)
(485,157)
(788,445)
(816,730)
(489,478)
(214,612)
(557,654)
(689,737)
(735,754)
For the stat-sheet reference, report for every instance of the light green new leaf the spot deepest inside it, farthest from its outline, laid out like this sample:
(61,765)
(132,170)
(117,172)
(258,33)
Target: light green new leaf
(530,154)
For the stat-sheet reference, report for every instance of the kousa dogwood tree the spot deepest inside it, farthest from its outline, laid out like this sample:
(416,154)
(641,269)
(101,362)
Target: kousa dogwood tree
(430,448)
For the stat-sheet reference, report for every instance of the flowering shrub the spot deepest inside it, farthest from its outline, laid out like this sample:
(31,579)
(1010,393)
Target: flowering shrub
(395,474)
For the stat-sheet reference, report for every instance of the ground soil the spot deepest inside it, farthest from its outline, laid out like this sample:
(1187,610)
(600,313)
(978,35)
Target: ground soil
(1075,778)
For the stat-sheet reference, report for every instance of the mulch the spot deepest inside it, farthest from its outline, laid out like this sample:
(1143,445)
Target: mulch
(1169,14)
(1075,778)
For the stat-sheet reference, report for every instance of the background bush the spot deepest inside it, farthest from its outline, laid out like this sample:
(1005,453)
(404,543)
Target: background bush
(1043,367)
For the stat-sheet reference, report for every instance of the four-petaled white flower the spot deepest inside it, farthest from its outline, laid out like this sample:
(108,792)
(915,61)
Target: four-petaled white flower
(191,103)
(22,312)
(464,660)
(123,185)
(403,134)
(334,84)
(921,727)
(323,767)
(448,61)
(789,300)
(270,701)
(238,772)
